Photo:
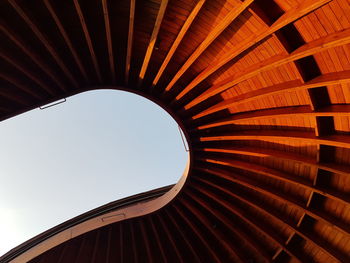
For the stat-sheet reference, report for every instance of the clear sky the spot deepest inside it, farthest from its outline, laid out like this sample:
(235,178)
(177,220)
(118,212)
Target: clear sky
(97,147)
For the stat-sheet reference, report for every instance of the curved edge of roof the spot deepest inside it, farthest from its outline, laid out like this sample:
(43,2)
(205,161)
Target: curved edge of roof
(123,209)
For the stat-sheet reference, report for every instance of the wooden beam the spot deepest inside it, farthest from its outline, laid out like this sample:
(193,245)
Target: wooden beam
(50,90)
(45,42)
(178,40)
(278,135)
(272,193)
(109,39)
(197,233)
(153,39)
(213,34)
(281,155)
(283,198)
(88,39)
(296,111)
(242,235)
(257,226)
(287,18)
(34,57)
(327,79)
(24,88)
(66,39)
(157,238)
(330,41)
(272,173)
(183,236)
(130,40)
(219,236)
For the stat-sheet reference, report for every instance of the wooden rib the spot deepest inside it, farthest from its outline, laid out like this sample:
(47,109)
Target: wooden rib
(146,241)
(20,86)
(109,39)
(170,237)
(88,39)
(133,242)
(197,233)
(263,135)
(27,73)
(329,251)
(327,79)
(229,224)
(282,176)
(153,39)
(45,68)
(300,111)
(275,154)
(159,243)
(220,237)
(130,40)
(183,236)
(249,221)
(271,193)
(228,19)
(330,41)
(178,40)
(44,41)
(287,18)
(66,39)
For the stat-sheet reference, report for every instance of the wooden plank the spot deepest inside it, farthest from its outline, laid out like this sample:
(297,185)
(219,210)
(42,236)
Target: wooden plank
(278,135)
(272,194)
(311,48)
(229,224)
(14,81)
(130,40)
(157,238)
(183,236)
(327,79)
(45,42)
(34,57)
(296,111)
(153,39)
(178,40)
(272,173)
(50,90)
(228,19)
(88,39)
(249,221)
(219,236)
(281,155)
(66,39)
(109,39)
(198,233)
(287,18)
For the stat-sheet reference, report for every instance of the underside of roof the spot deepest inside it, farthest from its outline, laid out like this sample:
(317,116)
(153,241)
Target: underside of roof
(261,89)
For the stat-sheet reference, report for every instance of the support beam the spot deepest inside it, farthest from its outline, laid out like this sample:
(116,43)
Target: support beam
(330,41)
(281,155)
(88,39)
(130,40)
(153,39)
(278,135)
(283,112)
(109,39)
(287,18)
(43,39)
(66,39)
(178,40)
(213,34)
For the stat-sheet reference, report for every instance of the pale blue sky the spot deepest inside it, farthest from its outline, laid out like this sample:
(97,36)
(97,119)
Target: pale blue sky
(97,147)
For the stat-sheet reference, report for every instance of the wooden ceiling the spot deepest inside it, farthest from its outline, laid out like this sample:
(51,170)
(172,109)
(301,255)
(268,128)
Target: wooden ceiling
(262,89)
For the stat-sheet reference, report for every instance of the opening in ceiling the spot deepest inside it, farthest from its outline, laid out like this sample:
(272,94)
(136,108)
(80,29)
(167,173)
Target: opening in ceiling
(97,147)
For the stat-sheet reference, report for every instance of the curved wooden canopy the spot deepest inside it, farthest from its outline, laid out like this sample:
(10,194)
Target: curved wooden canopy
(261,88)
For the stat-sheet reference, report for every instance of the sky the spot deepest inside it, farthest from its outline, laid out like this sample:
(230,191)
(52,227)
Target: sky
(97,147)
